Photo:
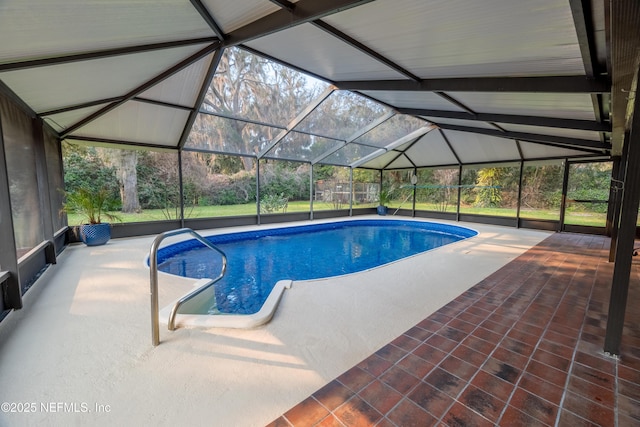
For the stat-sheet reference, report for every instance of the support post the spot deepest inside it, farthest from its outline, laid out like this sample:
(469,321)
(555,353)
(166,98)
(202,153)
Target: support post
(626,238)
(258,189)
(615,198)
(311,191)
(459,191)
(181,189)
(519,194)
(563,201)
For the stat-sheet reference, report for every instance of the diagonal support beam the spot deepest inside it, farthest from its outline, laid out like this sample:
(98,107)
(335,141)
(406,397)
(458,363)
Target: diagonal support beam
(555,84)
(303,114)
(513,119)
(206,15)
(99,54)
(150,83)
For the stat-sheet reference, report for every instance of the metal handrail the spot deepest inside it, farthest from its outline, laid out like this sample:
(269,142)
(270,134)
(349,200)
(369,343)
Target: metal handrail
(153,271)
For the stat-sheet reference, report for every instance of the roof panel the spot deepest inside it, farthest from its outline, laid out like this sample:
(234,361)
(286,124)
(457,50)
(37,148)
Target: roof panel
(381,161)
(431,150)
(456,122)
(64,85)
(400,99)
(183,87)
(348,154)
(45,28)
(311,48)
(477,148)
(62,121)
(456,38)
(138,122)
(400,162)
(302,147)
(570,133)
(538,151)
(391,130)
(561,105)
(230,15)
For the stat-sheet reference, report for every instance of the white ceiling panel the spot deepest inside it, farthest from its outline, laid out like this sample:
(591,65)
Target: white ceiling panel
(64,85)
(569,133)
(231,15)
(183,87)
(44,28)
(401,162)
(561,105)
(431,150)
(456,38)
(538,151)
(62,121)
(401,99)
(381,161)
(476,148)
(311,48)
(138,122)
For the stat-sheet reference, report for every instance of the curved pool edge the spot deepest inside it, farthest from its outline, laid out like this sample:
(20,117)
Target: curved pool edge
(233,321)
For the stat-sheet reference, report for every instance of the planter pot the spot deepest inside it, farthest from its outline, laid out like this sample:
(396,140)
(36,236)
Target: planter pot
(95,234)
(382,210)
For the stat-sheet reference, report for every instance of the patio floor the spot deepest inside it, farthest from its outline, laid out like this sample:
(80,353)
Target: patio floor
(522,347)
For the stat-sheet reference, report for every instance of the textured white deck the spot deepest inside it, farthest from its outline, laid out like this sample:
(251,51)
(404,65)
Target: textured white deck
(82,344)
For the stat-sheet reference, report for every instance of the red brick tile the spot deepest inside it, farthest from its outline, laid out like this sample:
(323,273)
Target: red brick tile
(459,368)
(416,366)
(478,344)
(482,402)
(460,415)
(555,348)
(452,333)
(560,339)
(516,360)
(440,318)
(515,417)
(629,389)
(429,325)
(547,373)
(588,410)
(597,362)
(502,370)
(375,365)
(307,412)
(487,335)
(399,379)
(591,391)
(523,337)
(333,395)
(445,382)
(528,328)
(408,414)
(357,413)
(391,353)
(430,399)
(471,318)
(405,342)
(461,325)
(596,377)
(385,423)
(493,385)
(418,333)
(470,356)
(442,343)
(380,396)
(629,407)
(330,421)
(430,353)
(495,327)
(279,422)
(517,346)
(534,406)
(552,360)
(355,379)
(541,388)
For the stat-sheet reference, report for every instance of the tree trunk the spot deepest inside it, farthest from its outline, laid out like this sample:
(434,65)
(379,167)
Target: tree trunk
(128,178)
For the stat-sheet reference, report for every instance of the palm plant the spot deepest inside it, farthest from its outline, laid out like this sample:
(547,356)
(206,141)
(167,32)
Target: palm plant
(92,205)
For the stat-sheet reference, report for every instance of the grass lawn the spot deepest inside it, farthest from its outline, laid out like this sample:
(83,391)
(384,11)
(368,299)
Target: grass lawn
(575,218)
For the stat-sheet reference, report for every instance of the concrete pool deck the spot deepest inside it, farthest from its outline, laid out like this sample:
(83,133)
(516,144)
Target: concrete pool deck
(80,351)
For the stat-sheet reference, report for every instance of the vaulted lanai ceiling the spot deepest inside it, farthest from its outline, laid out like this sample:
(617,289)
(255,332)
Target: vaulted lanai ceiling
(500,80)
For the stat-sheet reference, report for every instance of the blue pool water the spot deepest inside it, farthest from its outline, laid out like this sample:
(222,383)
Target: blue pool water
(256,260)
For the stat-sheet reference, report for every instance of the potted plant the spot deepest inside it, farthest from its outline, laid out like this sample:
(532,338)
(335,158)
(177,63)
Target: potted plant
(92,205)
(384,198)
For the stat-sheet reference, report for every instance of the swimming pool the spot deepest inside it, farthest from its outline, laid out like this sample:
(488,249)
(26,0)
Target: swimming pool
(258,259)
